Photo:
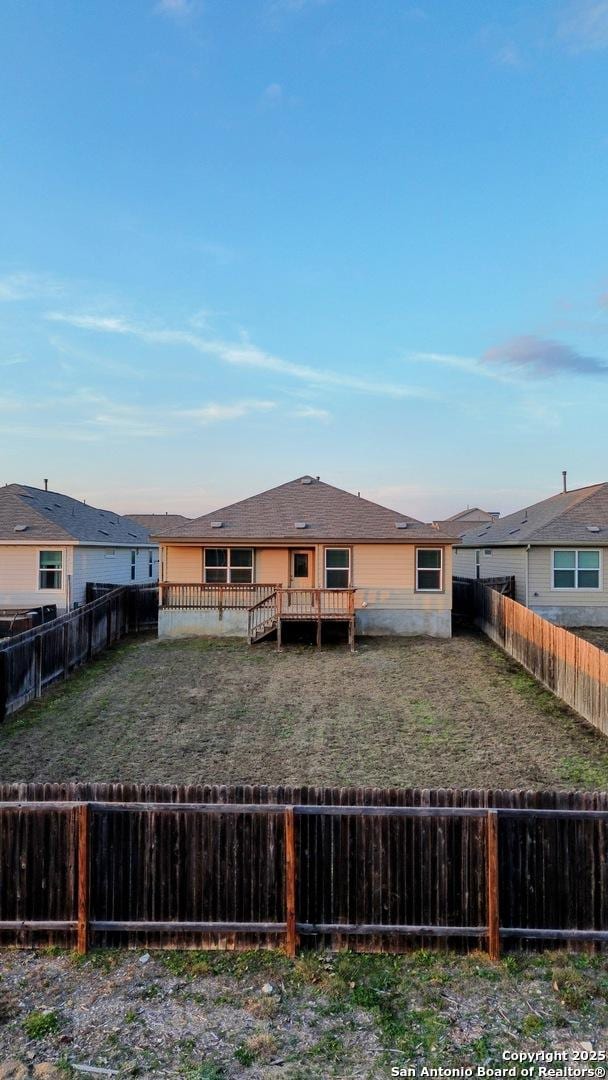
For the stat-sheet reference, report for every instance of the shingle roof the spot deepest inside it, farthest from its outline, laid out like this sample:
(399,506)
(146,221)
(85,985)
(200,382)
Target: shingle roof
(156,522)
(567,518)
(465,520)
(28,513)
(322,512)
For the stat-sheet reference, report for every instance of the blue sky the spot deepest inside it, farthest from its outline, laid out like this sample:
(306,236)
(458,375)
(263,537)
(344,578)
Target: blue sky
(241,240)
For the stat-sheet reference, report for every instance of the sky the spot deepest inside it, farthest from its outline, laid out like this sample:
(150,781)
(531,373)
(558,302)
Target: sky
(244,240)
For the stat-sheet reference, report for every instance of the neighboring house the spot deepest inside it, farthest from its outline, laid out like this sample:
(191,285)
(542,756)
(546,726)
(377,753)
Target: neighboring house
(51,545)
(557,550)
(306,536)
(468,519)
(158,522)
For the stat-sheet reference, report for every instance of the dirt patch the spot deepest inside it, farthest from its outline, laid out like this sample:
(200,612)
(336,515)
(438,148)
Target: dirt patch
(399,712)
(597,635)
(213,1016)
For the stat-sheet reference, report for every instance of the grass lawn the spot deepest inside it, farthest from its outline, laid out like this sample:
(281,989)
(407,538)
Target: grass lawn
(597,635)
(399,712)
(207,1016)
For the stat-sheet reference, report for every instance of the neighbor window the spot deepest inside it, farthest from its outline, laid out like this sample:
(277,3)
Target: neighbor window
(337,568)
(133,564)
(50,569)
(150,564)
(576,569)
(228,566)
(429,570)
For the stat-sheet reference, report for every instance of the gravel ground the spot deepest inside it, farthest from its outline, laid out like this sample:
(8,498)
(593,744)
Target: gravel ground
(258,1015)
(399,712)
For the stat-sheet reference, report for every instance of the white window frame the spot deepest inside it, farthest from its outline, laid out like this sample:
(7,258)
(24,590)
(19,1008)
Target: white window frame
(576,588)
(229,567)
(348,568)
(42,569)
(433,568)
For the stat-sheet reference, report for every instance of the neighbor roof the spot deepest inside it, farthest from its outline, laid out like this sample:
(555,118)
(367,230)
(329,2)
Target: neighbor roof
(156,522)
(28,513)
(579,516)
(305,509)
(468,519)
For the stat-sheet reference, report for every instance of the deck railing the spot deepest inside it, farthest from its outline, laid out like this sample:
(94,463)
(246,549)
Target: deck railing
(219,597)
(262,616)
(317,603)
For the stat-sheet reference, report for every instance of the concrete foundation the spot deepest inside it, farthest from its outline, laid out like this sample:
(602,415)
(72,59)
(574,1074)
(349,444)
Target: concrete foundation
(196,622)
(373,622)
(403,622)
(573,615)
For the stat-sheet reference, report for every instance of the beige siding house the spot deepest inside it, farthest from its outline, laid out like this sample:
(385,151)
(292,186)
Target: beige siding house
(327,553)
(51,545)
(557,550)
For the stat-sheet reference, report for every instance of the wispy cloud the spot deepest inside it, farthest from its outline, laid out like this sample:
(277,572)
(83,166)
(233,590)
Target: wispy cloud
(13,361)
(242,353)
(468,364)
(508,56)
(27,286)
(214,413)
(310,412)
(293,7)
(174,8)
(272,96)
(583,25)
(542,358)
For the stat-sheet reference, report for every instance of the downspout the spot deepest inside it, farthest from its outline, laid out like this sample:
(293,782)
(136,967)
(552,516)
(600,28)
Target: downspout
(527,575)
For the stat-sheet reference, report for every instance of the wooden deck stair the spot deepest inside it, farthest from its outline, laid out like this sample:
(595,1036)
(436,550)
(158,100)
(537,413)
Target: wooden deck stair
(301,605)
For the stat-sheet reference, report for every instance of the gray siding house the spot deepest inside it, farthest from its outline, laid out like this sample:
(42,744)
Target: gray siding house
(51,545)
(557,551)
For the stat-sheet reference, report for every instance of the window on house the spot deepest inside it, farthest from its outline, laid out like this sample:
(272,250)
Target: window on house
(429,570)
(150,564)
(300,564)
(133,565)
(337,568)
(228,566)
(576,569)
(50,570)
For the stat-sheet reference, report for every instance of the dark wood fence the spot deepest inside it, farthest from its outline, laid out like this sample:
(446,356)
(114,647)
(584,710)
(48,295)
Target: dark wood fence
(463,594)
(31,661)
(142,603)
(218,867)
(572,668)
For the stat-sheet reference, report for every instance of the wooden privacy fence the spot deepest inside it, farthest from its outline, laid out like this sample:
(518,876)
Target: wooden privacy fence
(239,867)
(566,664)
(463,595)
(33,660)
(142,603)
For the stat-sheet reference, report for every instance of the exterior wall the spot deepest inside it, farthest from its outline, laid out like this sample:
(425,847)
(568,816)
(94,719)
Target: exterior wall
(19,576)
(112,565)
(569,607)
(403,622)
(385,577)
(182,565)
(272,566)
(502,562)
(19,573)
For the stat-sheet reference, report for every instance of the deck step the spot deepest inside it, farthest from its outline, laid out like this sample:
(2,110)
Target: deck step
(263,631)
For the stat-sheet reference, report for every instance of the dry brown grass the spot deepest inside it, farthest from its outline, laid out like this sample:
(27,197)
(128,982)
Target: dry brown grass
(400,712)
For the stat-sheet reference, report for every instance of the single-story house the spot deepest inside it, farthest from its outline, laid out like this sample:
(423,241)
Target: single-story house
(321,552)
(468,519)
(51,545)
(557,551)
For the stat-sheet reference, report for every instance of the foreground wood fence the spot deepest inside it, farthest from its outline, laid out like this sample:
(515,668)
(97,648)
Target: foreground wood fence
(31,661)
(241,867)
(566,664)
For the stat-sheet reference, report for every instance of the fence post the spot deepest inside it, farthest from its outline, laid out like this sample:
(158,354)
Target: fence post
(38,665)
(290,882)
(493,912)
(82,944)
(66,649)
(3,685)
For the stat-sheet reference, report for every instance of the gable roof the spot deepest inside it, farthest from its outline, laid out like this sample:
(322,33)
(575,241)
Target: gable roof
(28,513)
(567,518)
(465,520)
(323,512)
(156,522)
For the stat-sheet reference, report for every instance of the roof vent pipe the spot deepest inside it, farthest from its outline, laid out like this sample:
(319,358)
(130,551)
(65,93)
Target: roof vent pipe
(46,485)
(565,480)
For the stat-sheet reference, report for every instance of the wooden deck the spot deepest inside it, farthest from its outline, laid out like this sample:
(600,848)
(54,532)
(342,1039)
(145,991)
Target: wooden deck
(268,606)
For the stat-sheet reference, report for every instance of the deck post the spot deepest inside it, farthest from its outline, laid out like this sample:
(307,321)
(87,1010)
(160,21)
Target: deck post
(317,594)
